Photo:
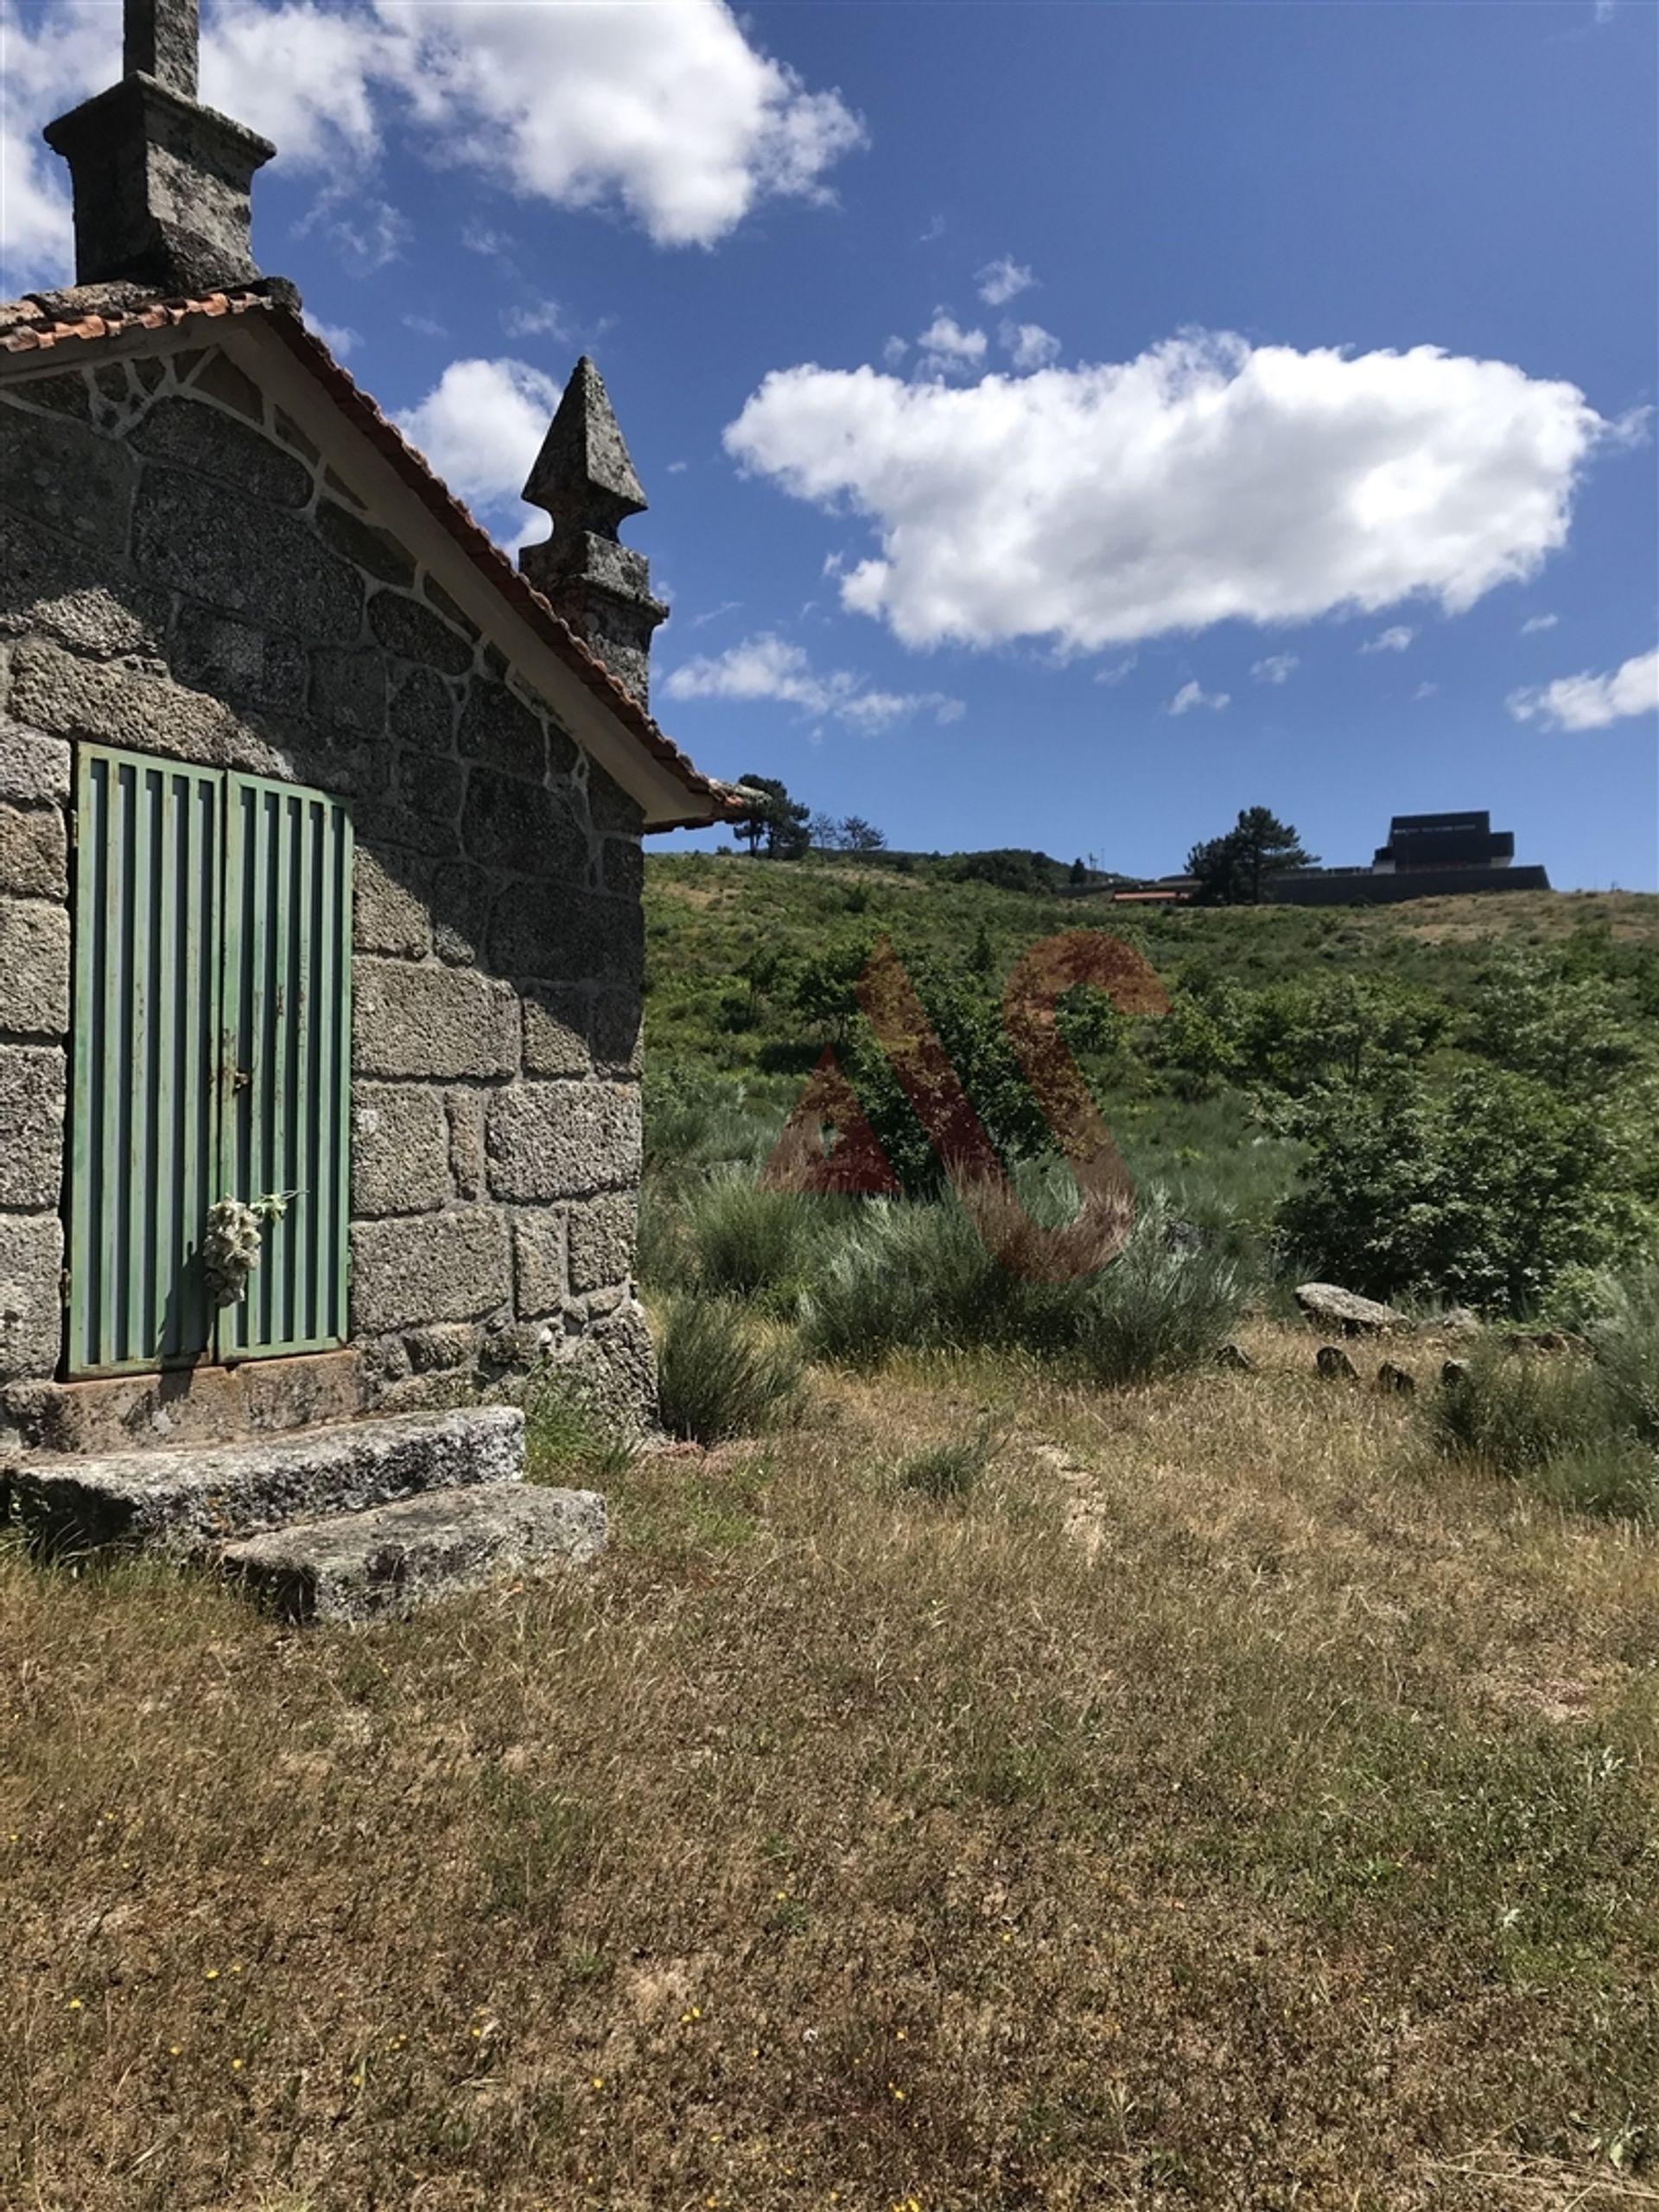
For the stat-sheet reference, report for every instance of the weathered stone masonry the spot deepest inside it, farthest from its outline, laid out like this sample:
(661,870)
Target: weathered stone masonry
(187,576)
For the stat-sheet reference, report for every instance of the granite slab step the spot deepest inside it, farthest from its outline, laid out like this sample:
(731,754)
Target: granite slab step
(193,1501)
(397,1558)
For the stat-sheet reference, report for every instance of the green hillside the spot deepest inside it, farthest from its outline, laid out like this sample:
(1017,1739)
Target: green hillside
(1496,1054)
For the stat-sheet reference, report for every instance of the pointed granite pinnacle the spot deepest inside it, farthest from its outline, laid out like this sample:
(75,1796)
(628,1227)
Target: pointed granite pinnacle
(584,477)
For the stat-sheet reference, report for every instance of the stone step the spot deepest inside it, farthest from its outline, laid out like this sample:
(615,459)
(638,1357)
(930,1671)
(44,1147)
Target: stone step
(195,1500)
(397,1558)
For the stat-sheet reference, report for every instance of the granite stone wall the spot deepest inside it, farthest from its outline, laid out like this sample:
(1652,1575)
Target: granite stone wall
(185,575)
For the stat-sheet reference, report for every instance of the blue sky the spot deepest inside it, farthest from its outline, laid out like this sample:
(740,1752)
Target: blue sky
(1064,425)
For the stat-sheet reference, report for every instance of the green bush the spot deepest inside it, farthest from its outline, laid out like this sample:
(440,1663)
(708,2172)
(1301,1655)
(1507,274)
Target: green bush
(1483,1193)
(1161,1309)
(718,1377)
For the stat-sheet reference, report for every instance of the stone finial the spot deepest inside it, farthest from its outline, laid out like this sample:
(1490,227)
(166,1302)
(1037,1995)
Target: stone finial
(161,184)
(584,480)
(159,39)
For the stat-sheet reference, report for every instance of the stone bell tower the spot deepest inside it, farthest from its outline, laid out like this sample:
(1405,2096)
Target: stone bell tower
(584,479)
(161,182)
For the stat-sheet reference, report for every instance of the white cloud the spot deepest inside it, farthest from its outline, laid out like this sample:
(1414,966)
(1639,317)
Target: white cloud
(1424,692)
(1587,701)
(1207,481)
(1394,641)
(770,667)
(337,337)
(1536,622)
(1604,11)
(1275,669)
(1118,669)
(670,113)
(894,351)
(1194,694)
(676,467)
(481,426)
(1002,280)
(1028,344)
(945,349)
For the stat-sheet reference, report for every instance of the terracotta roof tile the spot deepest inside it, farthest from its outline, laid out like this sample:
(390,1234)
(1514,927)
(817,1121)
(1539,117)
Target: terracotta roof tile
(45,320)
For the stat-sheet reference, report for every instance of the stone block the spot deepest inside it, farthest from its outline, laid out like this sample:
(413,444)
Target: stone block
(540,1265)
(349,689)
(616,1365)
(413,631)
(400,1149)
(31,1299)
(424,811)
(441,1347)
(34,852)
(522,828)
(245,556)
(421,710)
(427,1021)
(363,543)
(562,1140)
(68,394)
(397,1558)
(75,592)
(34,966)
(464,1113)
(618,1025)
(602,1234)
(462,898)
(32,1078)
(391,915)
(197,436)
(502,733)
(192,1500)
(68,476)
(433,1266)
(558,930)
(115,704)
(214,652)
(220,376)
(556,1027)
(623,868)
(613,812)
(33,768)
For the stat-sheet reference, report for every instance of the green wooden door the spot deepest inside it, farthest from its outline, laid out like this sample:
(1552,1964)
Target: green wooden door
(212,1060)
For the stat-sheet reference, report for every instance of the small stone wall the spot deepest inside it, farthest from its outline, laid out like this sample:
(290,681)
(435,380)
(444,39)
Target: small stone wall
(186,576)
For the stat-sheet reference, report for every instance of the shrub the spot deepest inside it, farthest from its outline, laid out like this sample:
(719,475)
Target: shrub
(918,1277)
(718,1377)
(1584,1430)
(745,1242)
(1482,1193)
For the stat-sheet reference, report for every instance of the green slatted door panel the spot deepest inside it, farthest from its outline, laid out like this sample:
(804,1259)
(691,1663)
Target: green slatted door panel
(144,1113)
(287,1043)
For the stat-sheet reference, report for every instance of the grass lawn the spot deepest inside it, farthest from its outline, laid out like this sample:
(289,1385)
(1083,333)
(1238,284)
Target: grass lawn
(1223,1805)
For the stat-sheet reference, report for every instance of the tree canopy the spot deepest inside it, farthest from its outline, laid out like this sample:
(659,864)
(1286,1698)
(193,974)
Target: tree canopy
(1236,868)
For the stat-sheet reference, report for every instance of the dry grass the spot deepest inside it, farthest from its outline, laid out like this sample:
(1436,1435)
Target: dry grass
(1220,1807)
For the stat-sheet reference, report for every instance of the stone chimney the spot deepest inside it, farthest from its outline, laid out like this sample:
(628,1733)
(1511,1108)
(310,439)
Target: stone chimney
(161,182)
(585,481)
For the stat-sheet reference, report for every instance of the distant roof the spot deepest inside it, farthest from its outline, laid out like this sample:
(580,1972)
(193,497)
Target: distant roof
(1413,824)
(86,315)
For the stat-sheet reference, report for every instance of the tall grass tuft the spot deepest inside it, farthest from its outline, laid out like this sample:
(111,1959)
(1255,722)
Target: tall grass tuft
(1582,1431)
(567,1437)
(917,1276)
(744,1241)
(718,1375)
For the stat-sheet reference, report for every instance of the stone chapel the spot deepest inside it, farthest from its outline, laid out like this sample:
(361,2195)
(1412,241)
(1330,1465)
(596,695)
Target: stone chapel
(320,935)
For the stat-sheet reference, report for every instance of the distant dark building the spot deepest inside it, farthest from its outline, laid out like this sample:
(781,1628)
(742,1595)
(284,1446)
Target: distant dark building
(1435,841)
(1427,856)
